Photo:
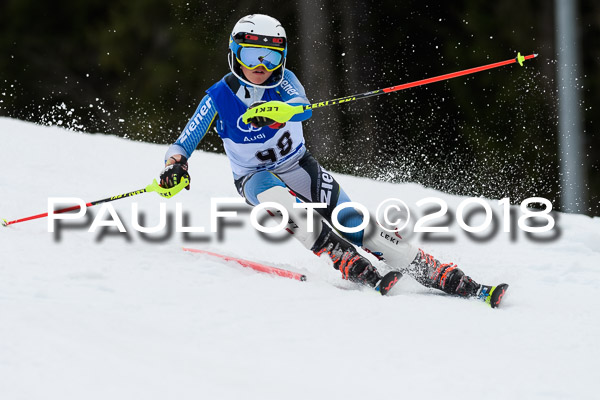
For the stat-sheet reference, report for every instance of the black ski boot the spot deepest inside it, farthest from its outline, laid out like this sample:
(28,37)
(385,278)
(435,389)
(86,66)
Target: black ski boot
(449,278)
(346,258)
(467,287)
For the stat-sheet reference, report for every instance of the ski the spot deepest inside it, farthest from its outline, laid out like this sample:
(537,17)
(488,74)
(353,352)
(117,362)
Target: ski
(388,281)
(492,295)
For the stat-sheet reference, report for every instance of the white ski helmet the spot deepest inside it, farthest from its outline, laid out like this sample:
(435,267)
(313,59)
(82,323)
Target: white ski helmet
(258,39)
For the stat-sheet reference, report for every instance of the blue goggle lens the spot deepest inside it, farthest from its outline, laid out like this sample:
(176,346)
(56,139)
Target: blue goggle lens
(252,57)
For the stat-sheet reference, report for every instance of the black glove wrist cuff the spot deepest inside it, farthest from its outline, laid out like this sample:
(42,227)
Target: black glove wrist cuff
(183,161)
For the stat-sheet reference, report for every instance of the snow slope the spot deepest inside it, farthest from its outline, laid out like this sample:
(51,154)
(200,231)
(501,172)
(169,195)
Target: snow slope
(115,316)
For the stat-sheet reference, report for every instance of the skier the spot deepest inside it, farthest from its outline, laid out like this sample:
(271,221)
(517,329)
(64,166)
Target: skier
(270,163)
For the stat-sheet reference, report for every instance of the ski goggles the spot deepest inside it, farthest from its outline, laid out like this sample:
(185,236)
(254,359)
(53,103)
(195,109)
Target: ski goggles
(252,57)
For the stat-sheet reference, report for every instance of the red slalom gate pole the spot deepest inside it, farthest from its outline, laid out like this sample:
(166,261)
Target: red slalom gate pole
(253,265)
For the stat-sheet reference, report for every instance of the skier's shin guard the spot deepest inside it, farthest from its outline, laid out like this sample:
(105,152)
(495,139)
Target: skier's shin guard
(397,252)
(298,224)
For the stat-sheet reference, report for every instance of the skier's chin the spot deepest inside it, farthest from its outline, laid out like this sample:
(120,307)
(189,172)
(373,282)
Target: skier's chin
(258,76)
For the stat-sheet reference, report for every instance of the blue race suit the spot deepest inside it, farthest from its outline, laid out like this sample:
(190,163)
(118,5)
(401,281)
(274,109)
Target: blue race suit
(261,158)
(249,149)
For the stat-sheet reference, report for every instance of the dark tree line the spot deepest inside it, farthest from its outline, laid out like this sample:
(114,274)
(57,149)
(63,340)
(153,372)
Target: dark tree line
(138,68)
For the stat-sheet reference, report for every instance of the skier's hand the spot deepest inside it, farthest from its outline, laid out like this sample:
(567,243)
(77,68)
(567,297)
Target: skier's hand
(259,122)
(358,269)
(174,172)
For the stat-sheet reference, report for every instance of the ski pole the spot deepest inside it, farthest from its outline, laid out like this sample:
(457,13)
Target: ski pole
(153,187)
(282,112)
